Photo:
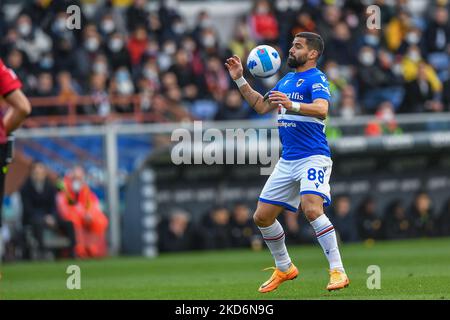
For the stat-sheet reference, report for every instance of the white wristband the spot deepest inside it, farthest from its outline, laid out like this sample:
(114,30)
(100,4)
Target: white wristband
(240,82)
(296,107)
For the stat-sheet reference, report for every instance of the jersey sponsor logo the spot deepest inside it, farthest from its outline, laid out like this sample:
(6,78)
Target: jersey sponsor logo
(287,124)
(299,82)
(320,87)
(294,96)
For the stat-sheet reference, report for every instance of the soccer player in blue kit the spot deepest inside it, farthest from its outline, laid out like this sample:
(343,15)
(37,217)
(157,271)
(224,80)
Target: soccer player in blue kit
(302,174)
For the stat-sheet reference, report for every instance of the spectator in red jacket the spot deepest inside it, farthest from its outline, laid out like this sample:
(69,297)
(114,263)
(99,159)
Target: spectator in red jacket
(263,22)
(137,45)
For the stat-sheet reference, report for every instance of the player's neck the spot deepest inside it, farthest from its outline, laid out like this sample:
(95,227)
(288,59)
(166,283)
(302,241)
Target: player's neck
(305,67)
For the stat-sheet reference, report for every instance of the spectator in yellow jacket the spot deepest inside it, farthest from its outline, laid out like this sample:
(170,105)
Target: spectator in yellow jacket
(396,30)
(410,66)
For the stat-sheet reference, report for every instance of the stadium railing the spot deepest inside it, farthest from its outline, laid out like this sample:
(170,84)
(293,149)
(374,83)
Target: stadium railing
(69,112)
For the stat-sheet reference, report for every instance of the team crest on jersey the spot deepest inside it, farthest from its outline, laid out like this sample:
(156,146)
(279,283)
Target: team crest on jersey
(299,82)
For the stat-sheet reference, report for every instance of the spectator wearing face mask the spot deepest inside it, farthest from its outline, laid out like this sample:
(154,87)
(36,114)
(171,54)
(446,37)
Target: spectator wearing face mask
(38,11)
(167,13)
(107,25)
(120,89)
(372,38)
(177,30)
(204,21)
(410,68)
(384,122)
(58,29)
(77,203)
(150,74)
(85,54)
(209,41)
(31,39)
(377,79)
(412,38)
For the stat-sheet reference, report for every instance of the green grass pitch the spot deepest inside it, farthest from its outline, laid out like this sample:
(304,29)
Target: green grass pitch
(410,269)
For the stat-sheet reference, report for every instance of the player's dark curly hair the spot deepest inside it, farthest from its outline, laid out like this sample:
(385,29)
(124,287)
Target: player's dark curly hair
(314,41)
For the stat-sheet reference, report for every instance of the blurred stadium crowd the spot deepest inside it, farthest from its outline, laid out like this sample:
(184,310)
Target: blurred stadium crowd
(177,70)
(233,227)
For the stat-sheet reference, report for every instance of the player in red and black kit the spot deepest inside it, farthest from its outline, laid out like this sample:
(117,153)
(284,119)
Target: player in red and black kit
(20,108)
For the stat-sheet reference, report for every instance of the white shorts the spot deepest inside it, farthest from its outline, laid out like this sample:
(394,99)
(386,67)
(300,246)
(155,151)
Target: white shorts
(292,178)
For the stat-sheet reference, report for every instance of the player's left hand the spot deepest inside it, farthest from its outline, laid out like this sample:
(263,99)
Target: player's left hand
(280,99)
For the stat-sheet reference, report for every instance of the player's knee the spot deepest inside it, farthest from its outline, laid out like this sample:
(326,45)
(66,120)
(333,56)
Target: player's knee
(312,211)
(261,220)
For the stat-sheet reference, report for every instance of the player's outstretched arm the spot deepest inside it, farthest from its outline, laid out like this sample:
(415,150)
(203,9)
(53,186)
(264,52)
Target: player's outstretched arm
(19,109)
(254,98)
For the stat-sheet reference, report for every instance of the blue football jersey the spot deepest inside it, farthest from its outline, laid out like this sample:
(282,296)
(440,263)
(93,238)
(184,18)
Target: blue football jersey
(302,136)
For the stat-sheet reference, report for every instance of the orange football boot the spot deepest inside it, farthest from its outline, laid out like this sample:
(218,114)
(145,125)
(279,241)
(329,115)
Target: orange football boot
(278,277)
(338,280)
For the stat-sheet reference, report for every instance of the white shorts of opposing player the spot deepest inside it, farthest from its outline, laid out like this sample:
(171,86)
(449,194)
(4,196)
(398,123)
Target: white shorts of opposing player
(292,178)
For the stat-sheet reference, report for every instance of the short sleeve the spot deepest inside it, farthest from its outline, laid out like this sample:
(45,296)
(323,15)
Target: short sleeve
(320,88)
(8,80)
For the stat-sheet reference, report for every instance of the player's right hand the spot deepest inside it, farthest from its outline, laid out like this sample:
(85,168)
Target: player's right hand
(234,67)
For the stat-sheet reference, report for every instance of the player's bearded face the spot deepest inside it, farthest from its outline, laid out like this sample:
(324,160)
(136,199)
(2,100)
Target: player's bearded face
(297,61)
